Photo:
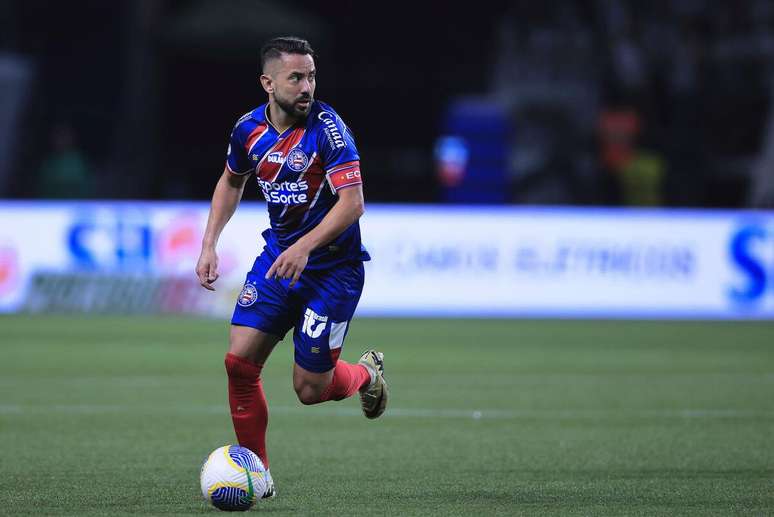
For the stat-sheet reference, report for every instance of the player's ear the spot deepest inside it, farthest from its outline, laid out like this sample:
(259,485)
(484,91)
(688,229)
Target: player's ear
(267,83)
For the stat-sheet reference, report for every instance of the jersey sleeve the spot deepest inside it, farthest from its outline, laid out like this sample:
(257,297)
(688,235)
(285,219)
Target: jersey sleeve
(338,152)
(236,155)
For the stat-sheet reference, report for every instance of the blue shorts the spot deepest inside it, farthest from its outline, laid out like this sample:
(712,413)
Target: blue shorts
(319,307)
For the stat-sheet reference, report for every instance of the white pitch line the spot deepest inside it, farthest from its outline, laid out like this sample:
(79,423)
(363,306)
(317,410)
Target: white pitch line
(474,414)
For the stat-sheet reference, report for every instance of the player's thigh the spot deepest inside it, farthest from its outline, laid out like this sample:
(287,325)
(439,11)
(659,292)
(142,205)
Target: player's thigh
(251,343)
(325,316)
(264,312)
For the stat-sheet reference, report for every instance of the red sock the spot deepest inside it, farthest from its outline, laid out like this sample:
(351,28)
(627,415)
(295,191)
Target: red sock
(347,379)
(249,411)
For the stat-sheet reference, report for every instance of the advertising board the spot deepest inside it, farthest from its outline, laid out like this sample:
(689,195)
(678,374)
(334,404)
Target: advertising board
(427,260)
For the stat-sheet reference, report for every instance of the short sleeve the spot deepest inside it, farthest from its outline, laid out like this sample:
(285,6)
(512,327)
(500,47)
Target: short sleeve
(236,156)
(339,154)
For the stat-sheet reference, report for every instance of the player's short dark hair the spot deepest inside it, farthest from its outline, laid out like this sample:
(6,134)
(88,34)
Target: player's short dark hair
(274,48)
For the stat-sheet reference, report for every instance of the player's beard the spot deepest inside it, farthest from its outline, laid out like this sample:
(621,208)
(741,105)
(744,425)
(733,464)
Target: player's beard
(292,108)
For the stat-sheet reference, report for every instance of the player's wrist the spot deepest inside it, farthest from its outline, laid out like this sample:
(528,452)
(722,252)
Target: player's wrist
(303,247)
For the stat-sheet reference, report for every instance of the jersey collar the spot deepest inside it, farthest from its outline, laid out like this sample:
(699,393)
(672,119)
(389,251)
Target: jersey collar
(261,114)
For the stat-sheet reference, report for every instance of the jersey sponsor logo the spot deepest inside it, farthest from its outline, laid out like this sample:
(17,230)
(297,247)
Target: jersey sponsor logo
(314,324)
(331,130)
(297,160)
(248,296)
(275,157)
(285,193)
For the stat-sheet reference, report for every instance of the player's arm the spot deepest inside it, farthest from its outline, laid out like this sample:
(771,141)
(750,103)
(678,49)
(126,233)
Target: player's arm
(347,209)
(228,193)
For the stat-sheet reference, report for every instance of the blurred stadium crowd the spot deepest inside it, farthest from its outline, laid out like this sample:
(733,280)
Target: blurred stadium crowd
(596,102)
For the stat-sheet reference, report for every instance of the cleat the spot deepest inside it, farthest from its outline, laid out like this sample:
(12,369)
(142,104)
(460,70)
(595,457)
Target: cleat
(270,490)
(373,398)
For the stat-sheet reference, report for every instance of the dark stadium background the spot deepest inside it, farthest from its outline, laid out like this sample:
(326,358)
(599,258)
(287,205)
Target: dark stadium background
(151,89)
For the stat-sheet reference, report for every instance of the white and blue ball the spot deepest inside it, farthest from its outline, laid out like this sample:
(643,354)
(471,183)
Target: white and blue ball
(233,478)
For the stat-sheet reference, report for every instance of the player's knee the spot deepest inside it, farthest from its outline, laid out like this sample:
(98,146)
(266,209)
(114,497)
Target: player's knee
(242,368)
(252,344)
(308,394)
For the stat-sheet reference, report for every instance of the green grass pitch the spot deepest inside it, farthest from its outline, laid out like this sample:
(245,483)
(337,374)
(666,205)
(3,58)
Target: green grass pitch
(114,415)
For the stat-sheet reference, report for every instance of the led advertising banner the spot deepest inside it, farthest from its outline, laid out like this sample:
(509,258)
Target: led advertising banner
(427,260)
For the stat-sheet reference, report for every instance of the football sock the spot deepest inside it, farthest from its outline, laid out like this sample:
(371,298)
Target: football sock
(249,411)
(347,380)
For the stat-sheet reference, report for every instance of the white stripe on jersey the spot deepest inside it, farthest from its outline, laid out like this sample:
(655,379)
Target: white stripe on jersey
(256,141)
(300,177)
(311,205)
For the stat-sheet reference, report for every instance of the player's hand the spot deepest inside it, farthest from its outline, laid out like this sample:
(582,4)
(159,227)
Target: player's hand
(289,264)
(207,268)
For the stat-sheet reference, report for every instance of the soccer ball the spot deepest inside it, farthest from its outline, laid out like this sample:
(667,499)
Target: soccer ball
(233,478)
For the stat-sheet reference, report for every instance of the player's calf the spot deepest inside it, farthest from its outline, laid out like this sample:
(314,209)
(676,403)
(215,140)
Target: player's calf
(249,410)
(342,382)
(309,394)
(310,386)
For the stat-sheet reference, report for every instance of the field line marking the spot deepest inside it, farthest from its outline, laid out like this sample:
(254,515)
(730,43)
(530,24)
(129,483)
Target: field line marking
(474,414)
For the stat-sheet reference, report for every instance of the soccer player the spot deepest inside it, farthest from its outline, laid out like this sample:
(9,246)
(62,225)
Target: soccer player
(309,276)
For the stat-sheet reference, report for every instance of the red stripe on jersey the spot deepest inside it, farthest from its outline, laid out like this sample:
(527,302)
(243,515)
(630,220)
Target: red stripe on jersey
(255,135)
(268,171)
(314,176)
(345,177)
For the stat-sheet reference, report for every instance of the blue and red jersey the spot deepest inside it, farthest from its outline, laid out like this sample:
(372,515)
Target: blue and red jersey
(299,173)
